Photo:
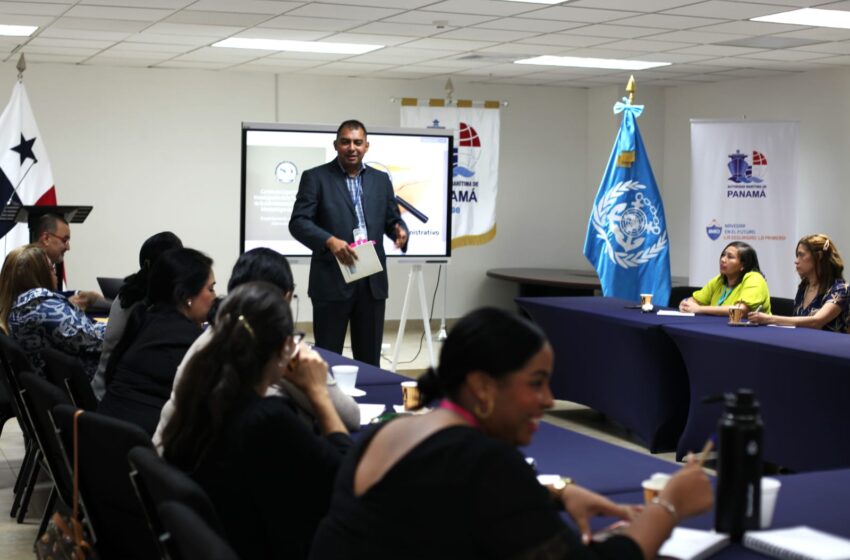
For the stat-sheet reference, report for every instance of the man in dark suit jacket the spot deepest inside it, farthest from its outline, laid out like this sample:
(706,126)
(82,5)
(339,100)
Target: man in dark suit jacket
(334,202)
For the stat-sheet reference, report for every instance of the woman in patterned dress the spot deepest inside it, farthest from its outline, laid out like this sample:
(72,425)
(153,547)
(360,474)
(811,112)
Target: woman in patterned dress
(821,301)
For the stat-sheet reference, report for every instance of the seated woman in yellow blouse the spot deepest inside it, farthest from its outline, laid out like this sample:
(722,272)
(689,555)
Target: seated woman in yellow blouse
(740,282)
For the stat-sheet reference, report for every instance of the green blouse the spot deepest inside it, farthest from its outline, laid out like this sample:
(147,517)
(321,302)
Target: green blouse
(752,290)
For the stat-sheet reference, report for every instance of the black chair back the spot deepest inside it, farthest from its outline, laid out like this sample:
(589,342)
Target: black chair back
(13,360)
(782,306)
(680,293)
(191,534)
(68,373)
(157,482)
(41,397)
(114,514)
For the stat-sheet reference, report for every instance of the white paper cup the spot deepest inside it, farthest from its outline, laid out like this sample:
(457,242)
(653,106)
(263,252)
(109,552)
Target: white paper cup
(769,492)
(346,377)
(653,486)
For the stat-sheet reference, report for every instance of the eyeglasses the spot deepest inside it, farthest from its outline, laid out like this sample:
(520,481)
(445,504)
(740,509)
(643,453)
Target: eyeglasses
(64,239)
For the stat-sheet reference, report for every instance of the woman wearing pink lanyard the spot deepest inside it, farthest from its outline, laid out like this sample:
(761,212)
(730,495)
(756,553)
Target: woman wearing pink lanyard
(451,483)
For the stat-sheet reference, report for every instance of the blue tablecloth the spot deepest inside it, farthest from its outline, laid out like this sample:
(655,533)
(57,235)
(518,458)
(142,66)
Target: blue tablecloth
(619,362)
(800,376)
(817,499)
(367,374)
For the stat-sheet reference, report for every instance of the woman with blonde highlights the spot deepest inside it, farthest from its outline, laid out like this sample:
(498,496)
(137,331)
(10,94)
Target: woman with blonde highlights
(822,296)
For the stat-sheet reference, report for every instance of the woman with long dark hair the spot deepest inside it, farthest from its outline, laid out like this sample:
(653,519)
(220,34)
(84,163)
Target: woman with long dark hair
(132,293)
(141,369)
(267,473)
(822,299)
(740,282)
(451,484)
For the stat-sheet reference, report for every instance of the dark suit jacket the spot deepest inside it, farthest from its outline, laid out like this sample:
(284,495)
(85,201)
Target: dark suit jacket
(323,208)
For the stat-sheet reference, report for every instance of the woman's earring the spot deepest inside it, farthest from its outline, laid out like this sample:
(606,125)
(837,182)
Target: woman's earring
(189,302)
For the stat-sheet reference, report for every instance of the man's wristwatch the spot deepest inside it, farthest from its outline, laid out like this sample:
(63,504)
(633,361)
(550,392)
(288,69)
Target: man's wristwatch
(562,483)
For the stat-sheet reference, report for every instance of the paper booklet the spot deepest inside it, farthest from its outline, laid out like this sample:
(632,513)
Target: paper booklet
(692,544)
(367,263)
(798,543)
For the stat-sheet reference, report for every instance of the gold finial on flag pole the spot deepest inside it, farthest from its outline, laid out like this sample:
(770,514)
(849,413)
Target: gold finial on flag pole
(630,89)
(21,66)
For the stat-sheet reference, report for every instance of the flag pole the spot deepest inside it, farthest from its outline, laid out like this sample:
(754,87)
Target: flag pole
(631,88)
(21,66)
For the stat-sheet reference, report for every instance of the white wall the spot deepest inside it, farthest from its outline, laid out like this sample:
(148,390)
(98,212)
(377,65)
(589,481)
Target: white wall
(159,149)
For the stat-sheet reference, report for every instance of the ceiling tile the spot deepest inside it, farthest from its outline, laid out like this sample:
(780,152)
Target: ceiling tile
(819,34)
(478,34)
(149,37)
(481,7)
(214,54)
(170,4)
(366,38)
(641,6)
(602,52)
(40,21)
(725,9)
(96,24)
(397,4)
(58,43)
(317,24)
(212,31)
(448,44)
(565,40)
(402,55)
(527,24)
(61,33)
(149,48)
(268,7)
(645,45)
(402,29)
(835,60)
(567,13)
(216,18)
(282,34)
(838,47)
(785,54)
(359,13)
(427,18)
(697,36)
(32,8)
(671,22)
(615,31)
(109,12)
(196,64)
(745,28)
(146,55)
(522,51)
(717,50)
(80,52)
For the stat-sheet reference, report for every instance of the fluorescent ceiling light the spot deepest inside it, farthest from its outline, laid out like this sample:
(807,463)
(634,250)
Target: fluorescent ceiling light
(810,16)
(17,30)
(540,1)
(581,62)
(297,46)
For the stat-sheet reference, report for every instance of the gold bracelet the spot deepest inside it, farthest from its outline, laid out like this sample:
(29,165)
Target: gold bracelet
(671,509)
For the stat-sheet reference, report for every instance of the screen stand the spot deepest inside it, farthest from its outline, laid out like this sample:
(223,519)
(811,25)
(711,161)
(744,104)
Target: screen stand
(442,334)
(415,275)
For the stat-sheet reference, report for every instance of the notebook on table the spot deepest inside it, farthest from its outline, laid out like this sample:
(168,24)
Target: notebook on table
(798,543)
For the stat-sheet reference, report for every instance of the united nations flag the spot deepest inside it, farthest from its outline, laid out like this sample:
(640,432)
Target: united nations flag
(627,234)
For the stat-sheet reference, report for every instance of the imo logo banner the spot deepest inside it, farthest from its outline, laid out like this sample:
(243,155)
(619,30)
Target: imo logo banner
(466,152)
(744,172)
(713,230)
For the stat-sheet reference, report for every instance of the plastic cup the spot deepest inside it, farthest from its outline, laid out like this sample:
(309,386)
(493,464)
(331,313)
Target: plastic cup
(410,394)
(346,377)
(769,492)
(736,314)
(653,486)
(646,299)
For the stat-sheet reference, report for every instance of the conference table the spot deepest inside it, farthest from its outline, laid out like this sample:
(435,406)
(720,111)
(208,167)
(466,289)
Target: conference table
(617,360)
(801,377)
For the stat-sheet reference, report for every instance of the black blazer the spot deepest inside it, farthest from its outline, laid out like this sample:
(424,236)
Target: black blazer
(323,208)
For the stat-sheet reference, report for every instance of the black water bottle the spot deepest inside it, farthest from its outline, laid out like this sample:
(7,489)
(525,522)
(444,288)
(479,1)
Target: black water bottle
(739,440)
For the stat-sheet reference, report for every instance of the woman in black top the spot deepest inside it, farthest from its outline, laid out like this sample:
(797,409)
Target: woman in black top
(450,483)
(269,476)
(141,369)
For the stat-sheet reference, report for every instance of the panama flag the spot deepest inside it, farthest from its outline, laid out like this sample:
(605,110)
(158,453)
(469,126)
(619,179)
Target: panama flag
(627,234)
(25,175)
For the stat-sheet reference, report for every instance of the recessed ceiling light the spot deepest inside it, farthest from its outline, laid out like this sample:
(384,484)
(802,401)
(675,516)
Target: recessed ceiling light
(17,30)
(541,1)
(582,62)
(297,46)
(810,16)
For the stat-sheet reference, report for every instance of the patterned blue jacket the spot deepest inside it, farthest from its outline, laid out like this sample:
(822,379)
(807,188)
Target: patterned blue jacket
(41,318)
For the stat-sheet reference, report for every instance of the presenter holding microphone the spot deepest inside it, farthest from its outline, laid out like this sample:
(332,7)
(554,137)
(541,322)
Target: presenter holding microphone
(338,203)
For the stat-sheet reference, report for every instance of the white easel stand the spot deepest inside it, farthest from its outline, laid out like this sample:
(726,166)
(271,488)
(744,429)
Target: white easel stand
(415,274)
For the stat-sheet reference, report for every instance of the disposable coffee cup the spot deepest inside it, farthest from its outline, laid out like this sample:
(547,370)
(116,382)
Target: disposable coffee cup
(736,314)
(410,394)
(645,299)
(653,486)
(346,377)
(769,492)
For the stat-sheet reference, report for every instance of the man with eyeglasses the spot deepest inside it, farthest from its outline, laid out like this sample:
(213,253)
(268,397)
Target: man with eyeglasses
(54,234)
